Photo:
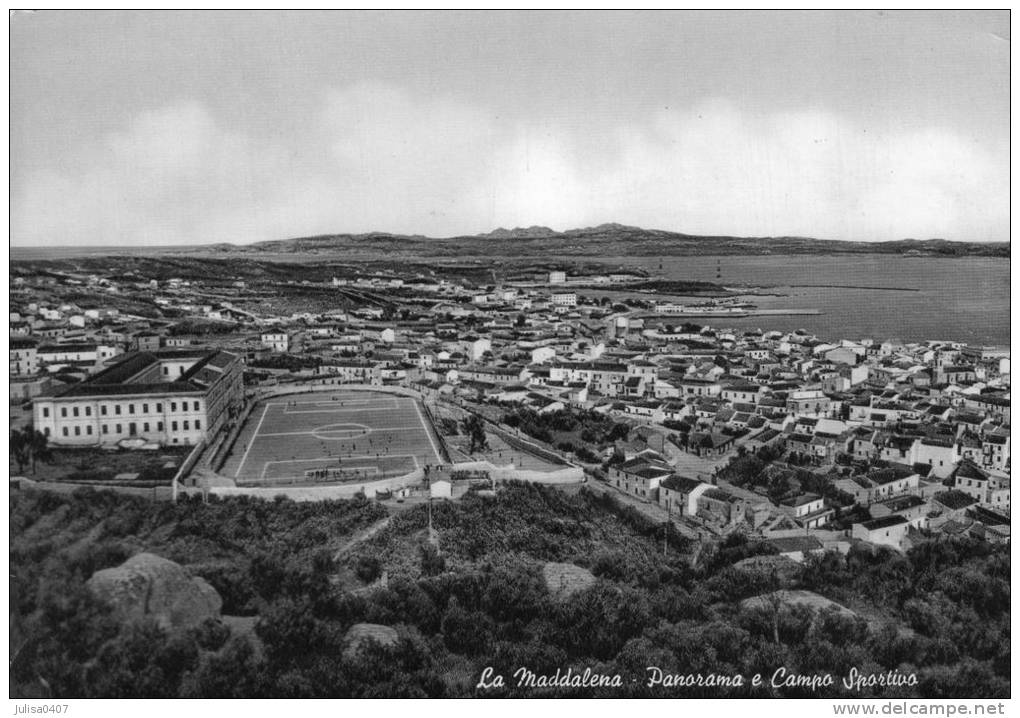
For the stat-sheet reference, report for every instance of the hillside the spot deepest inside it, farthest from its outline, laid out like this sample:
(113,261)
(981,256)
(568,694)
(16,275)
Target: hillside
(303,584)
(606,240)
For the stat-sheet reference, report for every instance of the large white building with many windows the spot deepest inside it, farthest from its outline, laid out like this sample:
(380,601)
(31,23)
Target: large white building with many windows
(169,397)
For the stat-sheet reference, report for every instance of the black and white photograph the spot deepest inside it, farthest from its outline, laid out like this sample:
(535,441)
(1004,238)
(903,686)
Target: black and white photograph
(509,354)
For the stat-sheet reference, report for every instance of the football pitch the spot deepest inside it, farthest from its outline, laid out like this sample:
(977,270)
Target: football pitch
(339,436)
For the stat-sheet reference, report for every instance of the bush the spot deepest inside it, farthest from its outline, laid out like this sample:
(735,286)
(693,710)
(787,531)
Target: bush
(368,569)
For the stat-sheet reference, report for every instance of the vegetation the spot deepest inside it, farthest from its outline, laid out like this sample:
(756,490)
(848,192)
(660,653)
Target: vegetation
(474,427)
(568,426)
(290,362)
(475,596)
(28,446)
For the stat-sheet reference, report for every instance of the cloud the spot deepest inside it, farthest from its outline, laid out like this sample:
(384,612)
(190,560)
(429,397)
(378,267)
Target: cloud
(377,157)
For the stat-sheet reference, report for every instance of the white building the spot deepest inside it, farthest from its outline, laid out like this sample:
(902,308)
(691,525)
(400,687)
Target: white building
(170,397)
(277,341)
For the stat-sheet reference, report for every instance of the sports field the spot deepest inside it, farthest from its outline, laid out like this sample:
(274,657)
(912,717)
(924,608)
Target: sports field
(329,437)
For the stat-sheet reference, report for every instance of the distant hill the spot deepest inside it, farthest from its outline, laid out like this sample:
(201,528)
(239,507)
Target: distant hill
(604,240)
(537,242)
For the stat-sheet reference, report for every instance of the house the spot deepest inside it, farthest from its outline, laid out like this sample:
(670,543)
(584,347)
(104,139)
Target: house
(697,386)
(879,484)
(995,451)
(885,531)
(912,508)
(808,510)
(940,454)
(953,503)
(23,357)
(809,403)
(724,508)
(276,341)
(987,487)
(744,393)
(640,476)
(680,494)
(441,489)
(710,445)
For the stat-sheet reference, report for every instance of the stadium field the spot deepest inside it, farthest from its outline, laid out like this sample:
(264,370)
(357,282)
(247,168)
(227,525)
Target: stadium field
(328,437)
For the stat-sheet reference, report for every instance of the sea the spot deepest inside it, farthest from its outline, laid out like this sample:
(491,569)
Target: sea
(877,296)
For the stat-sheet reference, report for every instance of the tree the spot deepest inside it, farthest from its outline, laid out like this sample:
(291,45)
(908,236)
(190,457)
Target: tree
(432,562)
(40,446)
(474,428)
(20,449)
(29,446)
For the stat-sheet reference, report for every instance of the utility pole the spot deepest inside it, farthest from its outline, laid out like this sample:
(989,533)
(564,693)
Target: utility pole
(665,529)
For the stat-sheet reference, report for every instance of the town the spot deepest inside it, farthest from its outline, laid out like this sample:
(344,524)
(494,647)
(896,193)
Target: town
(155,384)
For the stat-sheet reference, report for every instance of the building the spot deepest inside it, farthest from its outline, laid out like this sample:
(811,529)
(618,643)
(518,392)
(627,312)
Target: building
(565,299)
(606,378)
(277,341)
(808,510)
(24,357)
(886,531)
(680,494)
(557,277)
(69,353)
(169,397)
(353,371)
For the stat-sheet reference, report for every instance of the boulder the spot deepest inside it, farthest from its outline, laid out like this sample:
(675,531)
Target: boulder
(147,585)
(563,580)
(360,633)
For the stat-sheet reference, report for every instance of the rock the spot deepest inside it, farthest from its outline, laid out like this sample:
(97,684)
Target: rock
(147,585)
(359,633)
(563,580)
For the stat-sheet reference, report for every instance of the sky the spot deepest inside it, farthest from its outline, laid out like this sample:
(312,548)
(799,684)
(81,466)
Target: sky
(156,128)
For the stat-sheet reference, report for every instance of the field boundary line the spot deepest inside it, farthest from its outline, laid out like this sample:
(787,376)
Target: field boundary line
(251,442)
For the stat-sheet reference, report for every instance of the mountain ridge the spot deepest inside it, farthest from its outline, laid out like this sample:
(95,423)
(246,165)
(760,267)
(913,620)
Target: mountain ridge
(606,239)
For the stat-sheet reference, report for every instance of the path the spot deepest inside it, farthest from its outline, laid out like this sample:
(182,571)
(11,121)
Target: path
(362,536)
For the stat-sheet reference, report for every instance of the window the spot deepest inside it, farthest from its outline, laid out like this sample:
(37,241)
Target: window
(46,412)
(65,431)
(116,409)
(46,431)
(63,411)
(159,408)
(102,410)
(186,426)
(173,406)
(198,424)
(119,430)
(75,411)
(131,408)
(196,406)
(166,370)
(106,428)
(173,426)
(77,431)
(145,426)
(88,411)
(145,408)
(159,426)
(88,429)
